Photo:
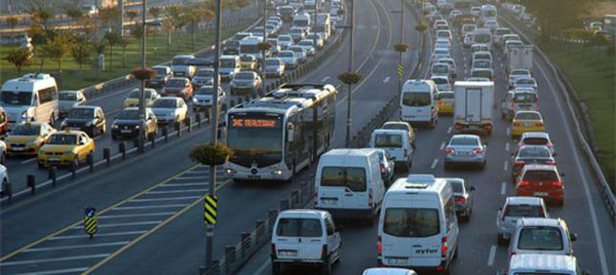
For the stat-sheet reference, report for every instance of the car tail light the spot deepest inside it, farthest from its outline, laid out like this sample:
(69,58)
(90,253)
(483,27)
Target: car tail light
(324,252)
(478,151)
(550,162)
(379,246)
(524,183)
(383,170)
(557,183)
(461,200)
(539,124)
(488,127)
(273,250)
(433,110)
(512,106)
(518,163)
(537,105)
(457,126)
(444,247)
(516,124)
(550,145)
(449,151)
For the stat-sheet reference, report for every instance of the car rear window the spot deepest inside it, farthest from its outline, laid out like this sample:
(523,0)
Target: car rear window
(464,141)
(524,210)
(457,185)
(525,98)
(535,141)
(445,96)
(416,99)
(540,238)
(528,115)
(388,140)
(534,152)
(540,175)
(538,273)
(353,178)
(411,222)
(299,228)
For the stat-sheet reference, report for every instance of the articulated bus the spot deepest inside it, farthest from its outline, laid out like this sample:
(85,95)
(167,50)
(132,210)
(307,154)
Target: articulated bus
(281,133)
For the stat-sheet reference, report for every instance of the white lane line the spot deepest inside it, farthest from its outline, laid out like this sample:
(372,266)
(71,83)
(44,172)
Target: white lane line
(166,199)
(206,172)
(54,248)
(120,224)
(262,268)
(146,207)
(28,161)
(98,235)
(57,271)
(72,258)
(442,146)
(503,188)
(175,191)
(184,184)
(492,255)
(189,178)
(508,131)
(325,78)
(507,145)
(104,217)
(434,162)
(449,130)
(386,79)
(506,166)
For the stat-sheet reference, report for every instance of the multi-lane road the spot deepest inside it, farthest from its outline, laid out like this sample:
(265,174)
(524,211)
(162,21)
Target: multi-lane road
(150,218)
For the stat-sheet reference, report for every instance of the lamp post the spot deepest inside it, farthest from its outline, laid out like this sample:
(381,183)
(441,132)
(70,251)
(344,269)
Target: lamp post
(263,70)
(350,93)
(401,75)
(209,235)
(142,88)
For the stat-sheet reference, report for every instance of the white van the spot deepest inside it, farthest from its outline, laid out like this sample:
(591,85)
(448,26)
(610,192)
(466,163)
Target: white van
(305,237)
(349,184)
(229,66)
(418,227)
(418,102)
(396,143)
(32,97)
(543,264)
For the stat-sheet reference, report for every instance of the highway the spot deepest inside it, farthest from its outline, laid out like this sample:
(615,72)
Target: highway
(150,218)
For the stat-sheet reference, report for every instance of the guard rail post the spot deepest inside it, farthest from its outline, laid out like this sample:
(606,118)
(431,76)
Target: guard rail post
(284,204)
(214,267)
(107,155)
(166,133)
(72,166)
(245,244)
(90,161)
(271,216)
(8,190)
(198,119)
(178,128)
(259,230)
(30,180)
(229,258)
(53,175)
(122,149)
(188,124)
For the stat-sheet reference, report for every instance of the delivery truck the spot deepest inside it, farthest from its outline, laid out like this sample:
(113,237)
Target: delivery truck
(473,105)
(520,57)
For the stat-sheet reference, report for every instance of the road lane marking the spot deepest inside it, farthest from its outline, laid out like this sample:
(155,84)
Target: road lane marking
(507,145)
(57,271)
(442,146)
(185,184)
(147,207)
(386,80)
(28,161)
(492,255)
(119,225)
(262,268)
(98,235)
(434,162)
(190,178)
(325,78)
(53,248)
(508,131)
(506,166)
(449,130)
(121,216)
(176,191)
(48,260)
(166,199)
(503,188)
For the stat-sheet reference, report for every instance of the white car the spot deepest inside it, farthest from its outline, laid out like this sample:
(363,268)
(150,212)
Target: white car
(442,82)
(542,236)
(388,271)
(300,53)
(69,99)
(204,76)
(285,41)
(289,58)
(439,53)
(4,176)
(274,67)
(491,24)
(169,110)
(468,40)
(203,97)
(308,45)
(516,74)
(525,82)
(304,237)
(514,209)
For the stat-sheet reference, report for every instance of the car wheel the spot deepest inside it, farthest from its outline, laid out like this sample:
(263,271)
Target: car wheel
(501,239)
(482,165)
(326,268)
(3,158)
(276,268)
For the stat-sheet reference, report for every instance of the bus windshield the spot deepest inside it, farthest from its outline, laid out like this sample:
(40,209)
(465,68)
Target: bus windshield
(16,98)
(255,137)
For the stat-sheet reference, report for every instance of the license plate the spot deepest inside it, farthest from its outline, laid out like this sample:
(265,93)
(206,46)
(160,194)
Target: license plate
(541,194)
(287,253)
(126,131)
(17,149)
(53,159)
(396,261)
(464,153)
(527,124)
(253,177)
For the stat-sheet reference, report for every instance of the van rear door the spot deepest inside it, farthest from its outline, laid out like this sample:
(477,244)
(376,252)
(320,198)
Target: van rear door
(473,106)
(331,188)
(287,238)
(416,106)
(310,239)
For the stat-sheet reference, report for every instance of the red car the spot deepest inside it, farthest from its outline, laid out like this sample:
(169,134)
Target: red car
(178,86)
(544,181)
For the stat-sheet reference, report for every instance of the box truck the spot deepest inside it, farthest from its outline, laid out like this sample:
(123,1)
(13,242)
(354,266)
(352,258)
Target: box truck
(473,104)
(520,57)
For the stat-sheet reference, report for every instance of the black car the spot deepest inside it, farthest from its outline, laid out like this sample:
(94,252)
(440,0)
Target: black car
(127,124)
(90,119)
(232,47)
(163,74)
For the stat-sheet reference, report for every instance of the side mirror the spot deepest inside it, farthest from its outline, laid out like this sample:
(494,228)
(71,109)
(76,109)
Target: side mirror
(472,188)
(573,237)
(555,154)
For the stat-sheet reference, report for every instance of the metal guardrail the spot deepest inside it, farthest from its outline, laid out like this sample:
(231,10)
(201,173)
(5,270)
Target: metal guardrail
(576,111)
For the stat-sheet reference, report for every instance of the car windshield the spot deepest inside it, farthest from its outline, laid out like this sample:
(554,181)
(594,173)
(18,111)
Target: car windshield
(286,54)
(297,227)
(527,116)
(205,73)
(525,81)
(176,83)
(16,98)
(534,152)
(205,90)
(305,43)
(244,76)
(482,64)
(395,126)
(540,238)
(284,38)
(83,113)
(165,103)
(353,178)
(524,210)
(247,58)
(411,222)
(26,130)
(502,31)
(440,69)
(464,141)
(482,73)
(535,141)
(160,71)
(272,62)
(62,139)
(438,80)
(387,140)
(67,96)
(441,52)
(128,114)
(541,175)
(416,99)
(520,73)
(525,98)
(227,63)
(180,61)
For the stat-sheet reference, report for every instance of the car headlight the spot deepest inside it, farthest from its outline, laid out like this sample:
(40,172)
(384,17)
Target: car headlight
(137,126)
(24,114)
(114,126)
(230,171)
(277,172)
(171,113)
(195,100)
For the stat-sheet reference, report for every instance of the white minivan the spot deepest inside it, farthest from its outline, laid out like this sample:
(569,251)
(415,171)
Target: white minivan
(304,237)
(32,97)
(543,264)
(418,102)
(397,144)
(418,227)
(348,183)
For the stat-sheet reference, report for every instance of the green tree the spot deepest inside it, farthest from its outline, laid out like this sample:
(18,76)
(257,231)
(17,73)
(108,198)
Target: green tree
(555,15)
(112,39)
(73,11)
(41,11)
(176,15)
(109,15)
(193,15)
(82,50)
(57,48)
(132,14)
(155,11)
(124,41)
(168,27)
(19,57)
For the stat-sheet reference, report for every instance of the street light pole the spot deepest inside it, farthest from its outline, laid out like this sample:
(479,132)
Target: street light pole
(209,235)
(142,88)
(400,76)
(263,71)
(350,93)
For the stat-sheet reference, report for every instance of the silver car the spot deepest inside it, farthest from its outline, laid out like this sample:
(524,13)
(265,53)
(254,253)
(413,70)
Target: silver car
(274,67)
(69,99)
(514,209)
(465,149)
(289,58)
(202,99)
(464,198)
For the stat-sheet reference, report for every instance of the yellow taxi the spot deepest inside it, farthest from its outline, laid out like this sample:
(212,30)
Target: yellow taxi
(526,121)
(444,101)
(132,100)
(27,138)
(65,147)
(248,63)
